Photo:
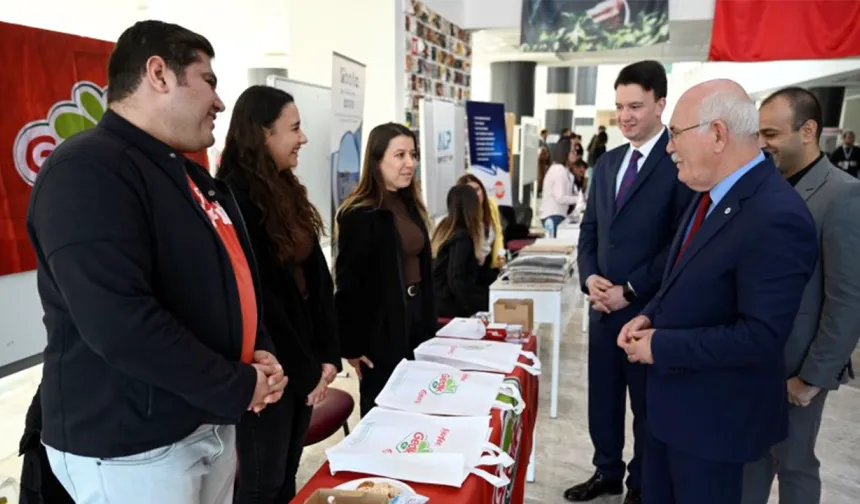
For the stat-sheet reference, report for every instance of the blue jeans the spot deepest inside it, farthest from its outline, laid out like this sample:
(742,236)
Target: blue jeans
(199,469)
(556,221)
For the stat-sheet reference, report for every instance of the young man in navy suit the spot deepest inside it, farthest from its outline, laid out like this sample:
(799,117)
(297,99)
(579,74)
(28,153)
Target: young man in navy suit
(635,205)
(715,333)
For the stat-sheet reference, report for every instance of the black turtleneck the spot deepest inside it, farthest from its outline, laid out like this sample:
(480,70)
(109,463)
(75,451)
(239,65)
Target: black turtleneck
(794,179)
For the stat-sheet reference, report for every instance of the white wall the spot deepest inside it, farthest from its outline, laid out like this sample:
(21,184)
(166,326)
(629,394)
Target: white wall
(255,33)
(370,32)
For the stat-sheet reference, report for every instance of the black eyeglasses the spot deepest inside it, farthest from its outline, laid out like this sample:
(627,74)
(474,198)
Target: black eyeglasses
(673,134)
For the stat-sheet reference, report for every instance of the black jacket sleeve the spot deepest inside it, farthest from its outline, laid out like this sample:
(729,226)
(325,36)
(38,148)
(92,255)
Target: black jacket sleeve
(300,364)
(97,244)
(586,249)
(354,247)
(463,276)
(325,320)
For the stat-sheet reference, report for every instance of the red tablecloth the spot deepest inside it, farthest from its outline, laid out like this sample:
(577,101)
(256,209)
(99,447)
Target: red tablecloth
(474,490)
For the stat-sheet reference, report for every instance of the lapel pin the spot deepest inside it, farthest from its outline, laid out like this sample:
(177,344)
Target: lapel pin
(728,210)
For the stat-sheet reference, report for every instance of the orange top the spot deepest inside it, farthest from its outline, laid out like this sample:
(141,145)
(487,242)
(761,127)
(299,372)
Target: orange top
(247,297)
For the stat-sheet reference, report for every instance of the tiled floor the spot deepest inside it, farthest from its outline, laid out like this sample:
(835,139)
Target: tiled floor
(563,446)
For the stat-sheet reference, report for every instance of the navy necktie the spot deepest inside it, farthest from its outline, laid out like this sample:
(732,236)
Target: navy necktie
(629,176)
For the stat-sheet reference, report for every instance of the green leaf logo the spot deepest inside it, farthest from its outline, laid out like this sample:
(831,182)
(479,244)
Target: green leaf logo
(37,139)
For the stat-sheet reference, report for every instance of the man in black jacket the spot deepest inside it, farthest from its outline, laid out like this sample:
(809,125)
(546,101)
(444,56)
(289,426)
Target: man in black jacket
(147,281)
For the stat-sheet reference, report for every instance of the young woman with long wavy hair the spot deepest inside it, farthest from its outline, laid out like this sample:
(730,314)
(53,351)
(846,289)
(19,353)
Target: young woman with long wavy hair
(384,297)
(260,156)
(458,251)
(494,254)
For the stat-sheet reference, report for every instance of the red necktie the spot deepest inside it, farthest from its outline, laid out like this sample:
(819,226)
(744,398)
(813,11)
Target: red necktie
(701,212)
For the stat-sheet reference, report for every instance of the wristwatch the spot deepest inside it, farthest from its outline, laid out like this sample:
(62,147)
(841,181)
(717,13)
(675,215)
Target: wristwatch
(629,293)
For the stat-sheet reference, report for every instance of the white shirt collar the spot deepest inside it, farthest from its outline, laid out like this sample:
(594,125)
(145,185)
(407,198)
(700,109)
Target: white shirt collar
(648,146)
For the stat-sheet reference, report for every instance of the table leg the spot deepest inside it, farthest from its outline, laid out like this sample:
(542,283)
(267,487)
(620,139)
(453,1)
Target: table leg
(585,308)
(556,350)
(530,472)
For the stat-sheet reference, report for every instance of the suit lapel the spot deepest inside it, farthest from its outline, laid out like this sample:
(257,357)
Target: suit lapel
(812,181)
(679,236)
(658,152)
(612,176)
(725,211)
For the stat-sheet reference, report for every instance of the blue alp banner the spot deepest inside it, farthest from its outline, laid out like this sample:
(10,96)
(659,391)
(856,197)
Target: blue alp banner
(488,148)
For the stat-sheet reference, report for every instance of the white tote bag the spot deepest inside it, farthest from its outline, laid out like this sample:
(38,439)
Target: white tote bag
(438,389)
(420,448)
(463,328)
(492,356)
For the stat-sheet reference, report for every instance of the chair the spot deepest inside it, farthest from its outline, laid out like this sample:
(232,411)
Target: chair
(329,416)
(516,245)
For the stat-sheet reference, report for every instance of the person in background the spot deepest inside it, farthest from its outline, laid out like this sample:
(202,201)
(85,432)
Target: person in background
(847,157)
(826,329)
(493,248)
(558,188)
(580,179)
(714,336)
(259,161)
(634,208)
(384,297)
(565,133)
(544,162)
(458,253)
(148,281)
(542,139)
(597,146)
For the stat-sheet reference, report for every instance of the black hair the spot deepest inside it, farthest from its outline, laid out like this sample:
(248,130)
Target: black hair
(179,47)
(649,74)
(804,105)
(562,151)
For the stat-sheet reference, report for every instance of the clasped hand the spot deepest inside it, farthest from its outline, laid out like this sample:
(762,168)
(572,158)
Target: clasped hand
(318,394)
(271,381)
(635,339)
(604,296)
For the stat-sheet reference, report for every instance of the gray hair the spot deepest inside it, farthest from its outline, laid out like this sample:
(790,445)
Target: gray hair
(737,111)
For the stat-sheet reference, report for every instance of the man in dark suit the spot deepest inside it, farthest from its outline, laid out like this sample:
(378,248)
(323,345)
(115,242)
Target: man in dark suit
(634,208)
(714,335)
(846,156)
(827,326)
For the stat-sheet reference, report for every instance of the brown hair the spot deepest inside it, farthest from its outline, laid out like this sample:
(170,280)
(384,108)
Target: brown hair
(280,196)
(464,212)
(371,188)
(467,179)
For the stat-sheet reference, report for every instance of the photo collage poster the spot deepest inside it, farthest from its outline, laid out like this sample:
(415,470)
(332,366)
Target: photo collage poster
(438,60)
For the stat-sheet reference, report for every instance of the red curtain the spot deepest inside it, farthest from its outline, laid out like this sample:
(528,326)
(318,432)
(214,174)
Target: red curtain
(767,30)
(54,89)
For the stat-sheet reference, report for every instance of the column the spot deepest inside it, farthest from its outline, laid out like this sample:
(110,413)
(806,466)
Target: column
(513,84)
(560,87)
(831,100)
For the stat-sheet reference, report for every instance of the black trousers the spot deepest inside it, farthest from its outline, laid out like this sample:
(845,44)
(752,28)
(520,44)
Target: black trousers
(374,380)
(610,377)
(270,447)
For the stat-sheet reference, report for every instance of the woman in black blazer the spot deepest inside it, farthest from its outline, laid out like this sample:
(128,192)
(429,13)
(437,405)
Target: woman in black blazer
(384,297)
(458,251)
(260,154)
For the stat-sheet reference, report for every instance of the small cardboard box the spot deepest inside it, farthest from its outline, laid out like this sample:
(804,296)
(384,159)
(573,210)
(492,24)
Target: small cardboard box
(515,311)
(345,497)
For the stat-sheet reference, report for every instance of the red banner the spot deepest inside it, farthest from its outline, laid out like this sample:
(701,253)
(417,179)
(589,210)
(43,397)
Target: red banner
(769,30)
(56,88)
